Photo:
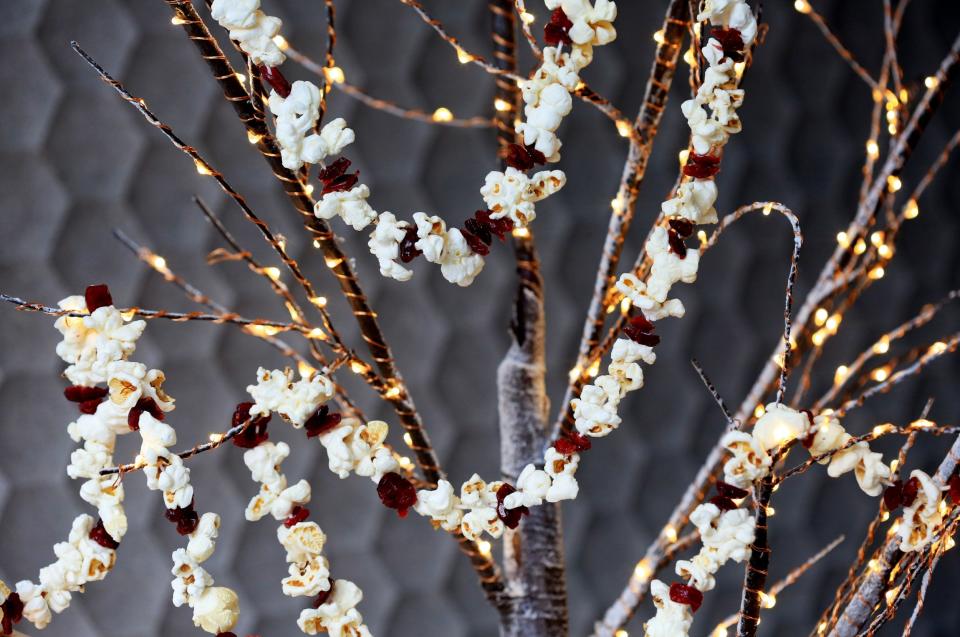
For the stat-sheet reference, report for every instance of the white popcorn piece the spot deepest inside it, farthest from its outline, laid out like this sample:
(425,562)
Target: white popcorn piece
(626,350)
(668,268)
(731,14)
(693,201)
(203,539)
(295,401)
(432,231)
(190,580)
(672,619)
(922,518)
(264,462)
(749,463)
(707,132)
(698,571)
(90,343)
(592,23)
(779,425)
(385,245)
(251,29)
(338,616)
(441,505)
(871,471)
(216,610)
(297,116)
(725,536)
(353,447)
(351,205)
(308,571)
(636,291)
(595,414)
(458,263)
(481,500)
(512,193)
(532,487)
(828,435)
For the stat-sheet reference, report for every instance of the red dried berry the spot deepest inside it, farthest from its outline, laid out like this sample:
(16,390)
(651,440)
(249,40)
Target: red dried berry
(564,446)
(81,394)
(408,247)
(226,634)
(500,227)
(701,166)
(321,422)
(276,80)
(723,503)
(97,296)
(910,489)
(683,594)
(683,227)
(297,515)
(581,442)
(396,492)
(255,433)
(640,329)
(893,495)
(185,518)
(12,613)
(727,490)
(335,177)
(954,484)
(509,517)
(323,596)
(476,243)
(731,41)
(523,158)
(99,535)
(557,30)
(90,406)
(480,229)
(677,246)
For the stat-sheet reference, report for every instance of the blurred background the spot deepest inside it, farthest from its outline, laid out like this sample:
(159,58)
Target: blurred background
(76,162)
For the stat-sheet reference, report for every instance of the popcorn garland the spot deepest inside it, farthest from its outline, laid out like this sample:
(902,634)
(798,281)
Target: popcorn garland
(334,607)
(510,195)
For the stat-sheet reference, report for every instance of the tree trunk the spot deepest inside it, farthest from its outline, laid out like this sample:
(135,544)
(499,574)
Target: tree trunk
(535,599)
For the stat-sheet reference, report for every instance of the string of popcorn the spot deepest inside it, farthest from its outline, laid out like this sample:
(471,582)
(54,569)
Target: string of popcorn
(575,27)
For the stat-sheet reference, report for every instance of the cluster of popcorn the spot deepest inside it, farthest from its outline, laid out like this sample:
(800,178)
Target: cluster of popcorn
(726,533)
(295,401)
(296,118)
(334,606)
(924,507)
(216,609)
(251,29)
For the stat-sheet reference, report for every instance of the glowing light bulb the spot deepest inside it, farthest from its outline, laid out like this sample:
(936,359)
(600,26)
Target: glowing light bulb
(408,439)
(841,374)
(873,149)
(624,127)
(333,262)
(659,37)
(820,316)
(893,183)
(202,168)
(442,114)
(502,105)
(319,301)
(521,233)
(215,438)
(931,82)
(876,273)
(463,56)
(527,17)
(484,547)
(802,6)
(335,75)
(306,369)
(882,346)
(643,571)
(178,20)
(252,137)
(843,240)
(683,156)
(281,42)
(911,210)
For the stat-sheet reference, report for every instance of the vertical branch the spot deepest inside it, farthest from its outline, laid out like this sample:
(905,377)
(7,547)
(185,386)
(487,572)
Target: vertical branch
(755,578)
(535,599)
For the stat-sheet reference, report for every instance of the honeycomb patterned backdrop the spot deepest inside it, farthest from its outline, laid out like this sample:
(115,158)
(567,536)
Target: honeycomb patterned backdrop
(76,162)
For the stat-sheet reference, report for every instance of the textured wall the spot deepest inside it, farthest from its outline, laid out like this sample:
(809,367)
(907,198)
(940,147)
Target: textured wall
(76,162)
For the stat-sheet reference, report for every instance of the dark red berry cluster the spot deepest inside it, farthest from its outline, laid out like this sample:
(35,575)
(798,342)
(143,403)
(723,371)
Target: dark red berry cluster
(726,494)
(335,177)
(396,492)
(480,229)
(522,158)
(557,30)
(297,515)
(97,296)
(731,41)
(684,594)
(641,330)
(12,613)
(321,422)
(276,80)
(255,433)
(143,405)
(701,166)
(509,517)
(678,230)
(87,398)
(186,518)
(571,442)
(99,535)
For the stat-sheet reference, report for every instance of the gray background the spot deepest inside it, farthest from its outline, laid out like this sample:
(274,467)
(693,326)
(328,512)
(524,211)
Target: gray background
(76,162)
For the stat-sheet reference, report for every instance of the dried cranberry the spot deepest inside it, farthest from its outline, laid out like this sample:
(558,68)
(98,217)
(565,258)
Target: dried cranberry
(275,79)
(683,594)
(954,484)
(683,227)
(143,405)
(226,634)
(185,518)
(701,166)
(557,31)
(99,535)
(12,612)
(677,246)
(499,227)
(910,489)
(640,329)
(323,596)
(297,515)
(81,394)
(335,177)
(396,492)
(321,422)
(90,406)
(522,158)
(97,296)
(255,433)
(723,503)
(731,41)
(476,243)
(582,442)
(727,490)
(893,495)
(408,247)
(564,446)
(480,229)
(510,517)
